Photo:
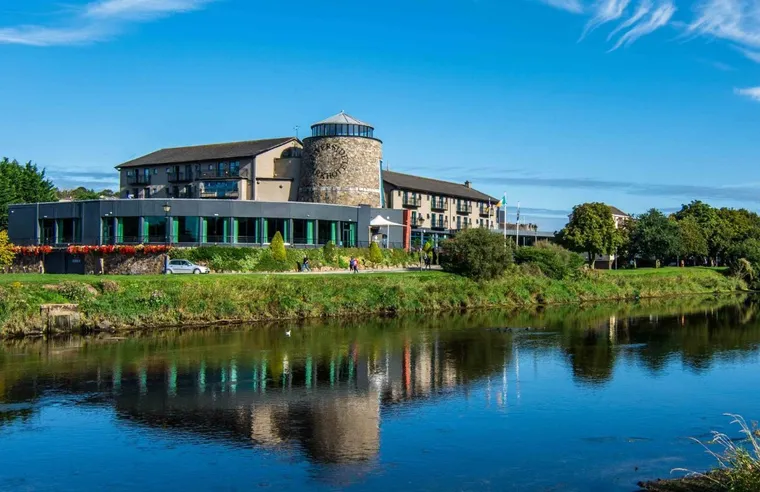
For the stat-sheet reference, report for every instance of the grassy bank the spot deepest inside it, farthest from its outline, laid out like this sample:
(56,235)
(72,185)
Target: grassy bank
(145,301)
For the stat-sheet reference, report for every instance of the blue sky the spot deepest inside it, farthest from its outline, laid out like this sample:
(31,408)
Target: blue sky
(640,103)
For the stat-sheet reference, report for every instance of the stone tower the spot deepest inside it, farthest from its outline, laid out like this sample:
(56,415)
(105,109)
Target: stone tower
(340,163)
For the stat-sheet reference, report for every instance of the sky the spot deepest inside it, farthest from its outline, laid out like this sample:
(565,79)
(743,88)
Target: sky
(635,103)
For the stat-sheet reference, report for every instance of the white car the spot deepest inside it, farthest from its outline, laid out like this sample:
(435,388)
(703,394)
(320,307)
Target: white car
(186,266)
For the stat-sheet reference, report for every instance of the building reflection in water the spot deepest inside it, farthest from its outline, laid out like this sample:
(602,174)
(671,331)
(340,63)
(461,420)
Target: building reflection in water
(323,392)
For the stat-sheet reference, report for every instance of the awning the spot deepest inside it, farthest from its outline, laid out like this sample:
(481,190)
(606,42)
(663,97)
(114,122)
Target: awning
(380,221)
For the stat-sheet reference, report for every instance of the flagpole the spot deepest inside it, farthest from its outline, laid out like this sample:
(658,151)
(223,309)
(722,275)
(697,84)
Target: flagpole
(517,226)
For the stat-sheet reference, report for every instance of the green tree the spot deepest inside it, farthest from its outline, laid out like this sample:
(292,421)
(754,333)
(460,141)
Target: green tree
(710,224)
(22,184)
(591,230)
(78,194)
(6,250)
(328,252)
(278,247)
(375,255)
(692,241)
(655,236)
(476,253)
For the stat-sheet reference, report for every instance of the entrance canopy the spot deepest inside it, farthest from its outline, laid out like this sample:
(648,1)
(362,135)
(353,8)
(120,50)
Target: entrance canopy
(380,221)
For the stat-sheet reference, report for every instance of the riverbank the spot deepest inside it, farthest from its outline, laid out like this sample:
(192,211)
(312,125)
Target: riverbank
(135,302)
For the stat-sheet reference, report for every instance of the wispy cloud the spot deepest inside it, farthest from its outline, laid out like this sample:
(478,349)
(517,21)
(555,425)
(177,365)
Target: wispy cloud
(743,192)
(752,55)
(647,25)
(750,92)
(607,11)
(574,6)
(733,20)
(97,21)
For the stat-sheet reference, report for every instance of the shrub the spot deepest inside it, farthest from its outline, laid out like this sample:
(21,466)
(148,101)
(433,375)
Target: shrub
(107,286)
(375,255)
(268,263)
(328,252)
(74,291)
(743,258)
(476,253)
(278,247)
(7,252)
(554,261)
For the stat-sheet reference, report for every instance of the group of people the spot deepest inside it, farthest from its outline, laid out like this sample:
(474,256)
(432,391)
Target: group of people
(353,265)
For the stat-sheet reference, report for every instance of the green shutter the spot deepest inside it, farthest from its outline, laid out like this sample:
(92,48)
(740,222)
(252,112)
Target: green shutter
(309,232)
(145,231)
(285,232)
(235,230)
(119,231)
(334,232)
(175,231)
(264,231)
(226,230)
(204,230)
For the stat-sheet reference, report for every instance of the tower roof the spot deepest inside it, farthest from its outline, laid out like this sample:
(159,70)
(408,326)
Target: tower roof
(342,119)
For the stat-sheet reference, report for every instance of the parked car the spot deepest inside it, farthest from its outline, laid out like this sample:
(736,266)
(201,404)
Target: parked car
(186,266)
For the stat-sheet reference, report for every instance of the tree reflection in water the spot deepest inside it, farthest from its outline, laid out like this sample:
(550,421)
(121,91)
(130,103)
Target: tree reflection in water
(323,391)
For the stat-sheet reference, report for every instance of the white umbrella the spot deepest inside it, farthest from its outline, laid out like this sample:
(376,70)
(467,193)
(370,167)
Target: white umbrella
(380,221)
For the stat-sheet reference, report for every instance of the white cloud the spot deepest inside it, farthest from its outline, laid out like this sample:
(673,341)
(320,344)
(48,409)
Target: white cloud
(574,6)
(642,10)
(750,92)
(752,55)
(734,20)
(606,11)
(657,19)
(97,21)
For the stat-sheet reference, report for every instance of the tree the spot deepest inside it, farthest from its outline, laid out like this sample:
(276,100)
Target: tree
(692,241)
(82,193)
(22,184)
(6,250)
(476,253)
(654,236)
(375,255)
(278,247)
(709,223)
(591,230)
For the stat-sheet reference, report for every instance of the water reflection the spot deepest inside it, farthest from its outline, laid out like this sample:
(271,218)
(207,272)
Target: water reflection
(323,392)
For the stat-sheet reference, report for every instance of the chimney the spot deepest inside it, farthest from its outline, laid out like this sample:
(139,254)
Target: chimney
(468,184)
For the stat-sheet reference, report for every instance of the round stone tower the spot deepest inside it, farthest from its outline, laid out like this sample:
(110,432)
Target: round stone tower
(340,163)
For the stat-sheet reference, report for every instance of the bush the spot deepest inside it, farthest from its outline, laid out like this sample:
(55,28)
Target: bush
(554,261)
(476,253)
(7,252)
(278,247)
(268,263)
(375,255)
(328,252)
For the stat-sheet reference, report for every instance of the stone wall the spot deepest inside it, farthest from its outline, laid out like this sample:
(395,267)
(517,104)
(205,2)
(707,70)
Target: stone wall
(341,171)
(24,264)
(124,264)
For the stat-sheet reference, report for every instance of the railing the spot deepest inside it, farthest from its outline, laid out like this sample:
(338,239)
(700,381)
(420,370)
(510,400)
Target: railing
(485,211)
(439,204)
(140,179)
(217,174)
(214,194)
(463,208)
(439,224)
(181,177)
(412,201)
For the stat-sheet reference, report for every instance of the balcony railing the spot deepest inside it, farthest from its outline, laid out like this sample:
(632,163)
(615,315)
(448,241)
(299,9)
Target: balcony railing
(439,204)
(217,174)
(181,177)
(139,179)
(439,224)
(463,208)
(220,195)
(411,201)
(485,211)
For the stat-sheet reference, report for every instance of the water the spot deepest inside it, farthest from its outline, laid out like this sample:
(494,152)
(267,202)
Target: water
(587,399)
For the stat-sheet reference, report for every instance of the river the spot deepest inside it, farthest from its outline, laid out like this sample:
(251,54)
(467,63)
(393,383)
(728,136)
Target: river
(564,399)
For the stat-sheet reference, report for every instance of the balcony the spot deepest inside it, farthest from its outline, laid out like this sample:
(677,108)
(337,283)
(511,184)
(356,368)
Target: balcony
(439,223)
(181,177)
(139,179)
(439,204)
(411,201)
(485,211)
(220,174)
(463,208)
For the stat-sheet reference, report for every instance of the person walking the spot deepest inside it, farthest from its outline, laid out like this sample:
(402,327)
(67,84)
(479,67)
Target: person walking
(306,266)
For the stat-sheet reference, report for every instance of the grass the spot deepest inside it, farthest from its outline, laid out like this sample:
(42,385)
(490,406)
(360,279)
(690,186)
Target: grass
(130,302)
(738,467)
(665,271)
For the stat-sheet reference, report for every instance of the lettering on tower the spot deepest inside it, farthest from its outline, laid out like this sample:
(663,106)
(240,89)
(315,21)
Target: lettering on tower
(330,160)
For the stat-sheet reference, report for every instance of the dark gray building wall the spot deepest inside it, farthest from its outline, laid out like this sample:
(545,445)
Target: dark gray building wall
(24,219)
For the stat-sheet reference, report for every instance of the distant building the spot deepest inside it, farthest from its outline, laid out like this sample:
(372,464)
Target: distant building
(608,261)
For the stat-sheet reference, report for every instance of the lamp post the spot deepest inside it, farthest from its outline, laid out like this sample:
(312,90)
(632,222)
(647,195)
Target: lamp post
(167,212)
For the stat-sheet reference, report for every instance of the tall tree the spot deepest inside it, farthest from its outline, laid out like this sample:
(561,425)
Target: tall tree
(692,240)
(655,236)
(22,184)
(710,224)
(591,230)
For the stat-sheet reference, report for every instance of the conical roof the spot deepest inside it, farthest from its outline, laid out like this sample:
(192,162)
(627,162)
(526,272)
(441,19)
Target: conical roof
(342,119)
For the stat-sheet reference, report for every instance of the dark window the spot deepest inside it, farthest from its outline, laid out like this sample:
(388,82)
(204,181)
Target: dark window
(248,230)
(187,229)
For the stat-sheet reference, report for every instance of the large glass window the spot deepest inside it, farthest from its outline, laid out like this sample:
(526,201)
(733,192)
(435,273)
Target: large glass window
(128,230)
(303,232)
(216,230)
(327,231)
(348,234)
(154,229)
(186,229)
(109,232)
(271,226)
(68,231)
(248,230)
(47,231)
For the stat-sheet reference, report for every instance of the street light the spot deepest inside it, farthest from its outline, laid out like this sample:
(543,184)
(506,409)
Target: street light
(168,237)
